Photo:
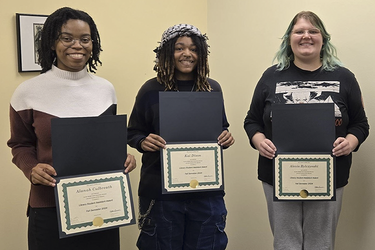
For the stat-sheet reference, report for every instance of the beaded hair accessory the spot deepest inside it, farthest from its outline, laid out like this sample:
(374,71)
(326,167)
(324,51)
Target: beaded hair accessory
(178,30)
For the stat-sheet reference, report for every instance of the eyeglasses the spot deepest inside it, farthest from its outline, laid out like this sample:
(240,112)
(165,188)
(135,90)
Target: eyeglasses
(69,41)
(312,32)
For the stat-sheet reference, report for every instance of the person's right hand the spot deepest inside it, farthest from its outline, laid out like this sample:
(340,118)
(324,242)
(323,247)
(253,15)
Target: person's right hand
(42,174)
(153,143)
(265,146)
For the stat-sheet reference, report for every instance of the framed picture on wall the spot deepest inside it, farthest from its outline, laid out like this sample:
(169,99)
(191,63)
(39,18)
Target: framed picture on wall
(28,26)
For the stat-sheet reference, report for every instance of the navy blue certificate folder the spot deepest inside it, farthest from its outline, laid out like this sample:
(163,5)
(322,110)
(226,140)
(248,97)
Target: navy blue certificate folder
(87,145)
(303,127)
(190,116)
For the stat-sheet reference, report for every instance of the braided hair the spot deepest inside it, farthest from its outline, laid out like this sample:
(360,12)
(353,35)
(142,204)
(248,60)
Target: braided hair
(51,32)
(165,64)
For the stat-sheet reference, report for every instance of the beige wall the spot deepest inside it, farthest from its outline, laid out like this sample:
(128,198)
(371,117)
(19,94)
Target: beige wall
(244,35)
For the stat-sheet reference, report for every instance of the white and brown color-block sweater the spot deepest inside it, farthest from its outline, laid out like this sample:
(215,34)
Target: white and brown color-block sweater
(56,93)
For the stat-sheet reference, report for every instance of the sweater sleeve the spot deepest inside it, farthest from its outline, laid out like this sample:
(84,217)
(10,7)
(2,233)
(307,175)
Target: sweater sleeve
(254,119)
(136,129)
(217,88)
(22,140)
(141,117)
(358,123)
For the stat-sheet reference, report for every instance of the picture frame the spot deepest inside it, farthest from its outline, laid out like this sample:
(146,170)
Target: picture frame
(28,26)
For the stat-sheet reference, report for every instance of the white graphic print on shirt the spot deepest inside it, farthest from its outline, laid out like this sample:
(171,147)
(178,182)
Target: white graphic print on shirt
(298,92)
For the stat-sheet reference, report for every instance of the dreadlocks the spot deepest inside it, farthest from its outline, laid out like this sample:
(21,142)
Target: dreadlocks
(164,63)
(51,32)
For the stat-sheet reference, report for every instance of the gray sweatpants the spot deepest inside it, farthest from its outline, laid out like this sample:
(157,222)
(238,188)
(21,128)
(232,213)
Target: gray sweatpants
(303,225)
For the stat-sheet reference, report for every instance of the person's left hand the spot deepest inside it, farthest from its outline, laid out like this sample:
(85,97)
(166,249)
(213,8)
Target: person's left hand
(130,164)
(225,139)
(344,146)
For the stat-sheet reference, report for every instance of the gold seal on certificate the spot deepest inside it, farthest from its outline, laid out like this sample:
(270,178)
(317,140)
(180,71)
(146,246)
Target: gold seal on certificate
(304,177)
(194,183)
(304,193)
(98,222)
(189,167)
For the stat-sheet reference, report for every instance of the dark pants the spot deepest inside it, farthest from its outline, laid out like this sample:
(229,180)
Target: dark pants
(43,234)
(195,224)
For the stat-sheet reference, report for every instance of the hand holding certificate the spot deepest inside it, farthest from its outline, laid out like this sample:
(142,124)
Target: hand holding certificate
(191,122)
(304,168)
(92,192)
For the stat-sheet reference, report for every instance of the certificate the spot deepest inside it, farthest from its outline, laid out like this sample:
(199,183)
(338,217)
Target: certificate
(304,177)
(303,135)
(192,167)
(93,202)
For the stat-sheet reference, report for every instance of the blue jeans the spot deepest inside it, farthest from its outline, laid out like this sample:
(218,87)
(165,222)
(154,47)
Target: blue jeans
(194,224)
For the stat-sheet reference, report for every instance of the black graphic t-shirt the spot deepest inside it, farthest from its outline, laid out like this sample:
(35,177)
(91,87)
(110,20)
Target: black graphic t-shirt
(296,86)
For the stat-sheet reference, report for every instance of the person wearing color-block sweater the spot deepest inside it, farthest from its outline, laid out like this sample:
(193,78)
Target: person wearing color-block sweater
(70,46)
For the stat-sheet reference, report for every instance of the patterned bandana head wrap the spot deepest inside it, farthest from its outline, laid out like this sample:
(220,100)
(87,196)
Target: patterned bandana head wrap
(178,30)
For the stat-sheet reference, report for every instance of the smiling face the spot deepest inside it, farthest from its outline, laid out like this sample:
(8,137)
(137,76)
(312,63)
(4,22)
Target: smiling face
(306,42)
(74,57)
(185,58)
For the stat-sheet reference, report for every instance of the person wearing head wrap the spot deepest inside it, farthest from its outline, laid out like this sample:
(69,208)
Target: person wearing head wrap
(193,220)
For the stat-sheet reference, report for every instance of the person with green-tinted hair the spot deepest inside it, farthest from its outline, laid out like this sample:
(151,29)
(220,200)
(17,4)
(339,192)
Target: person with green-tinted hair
(307,71)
